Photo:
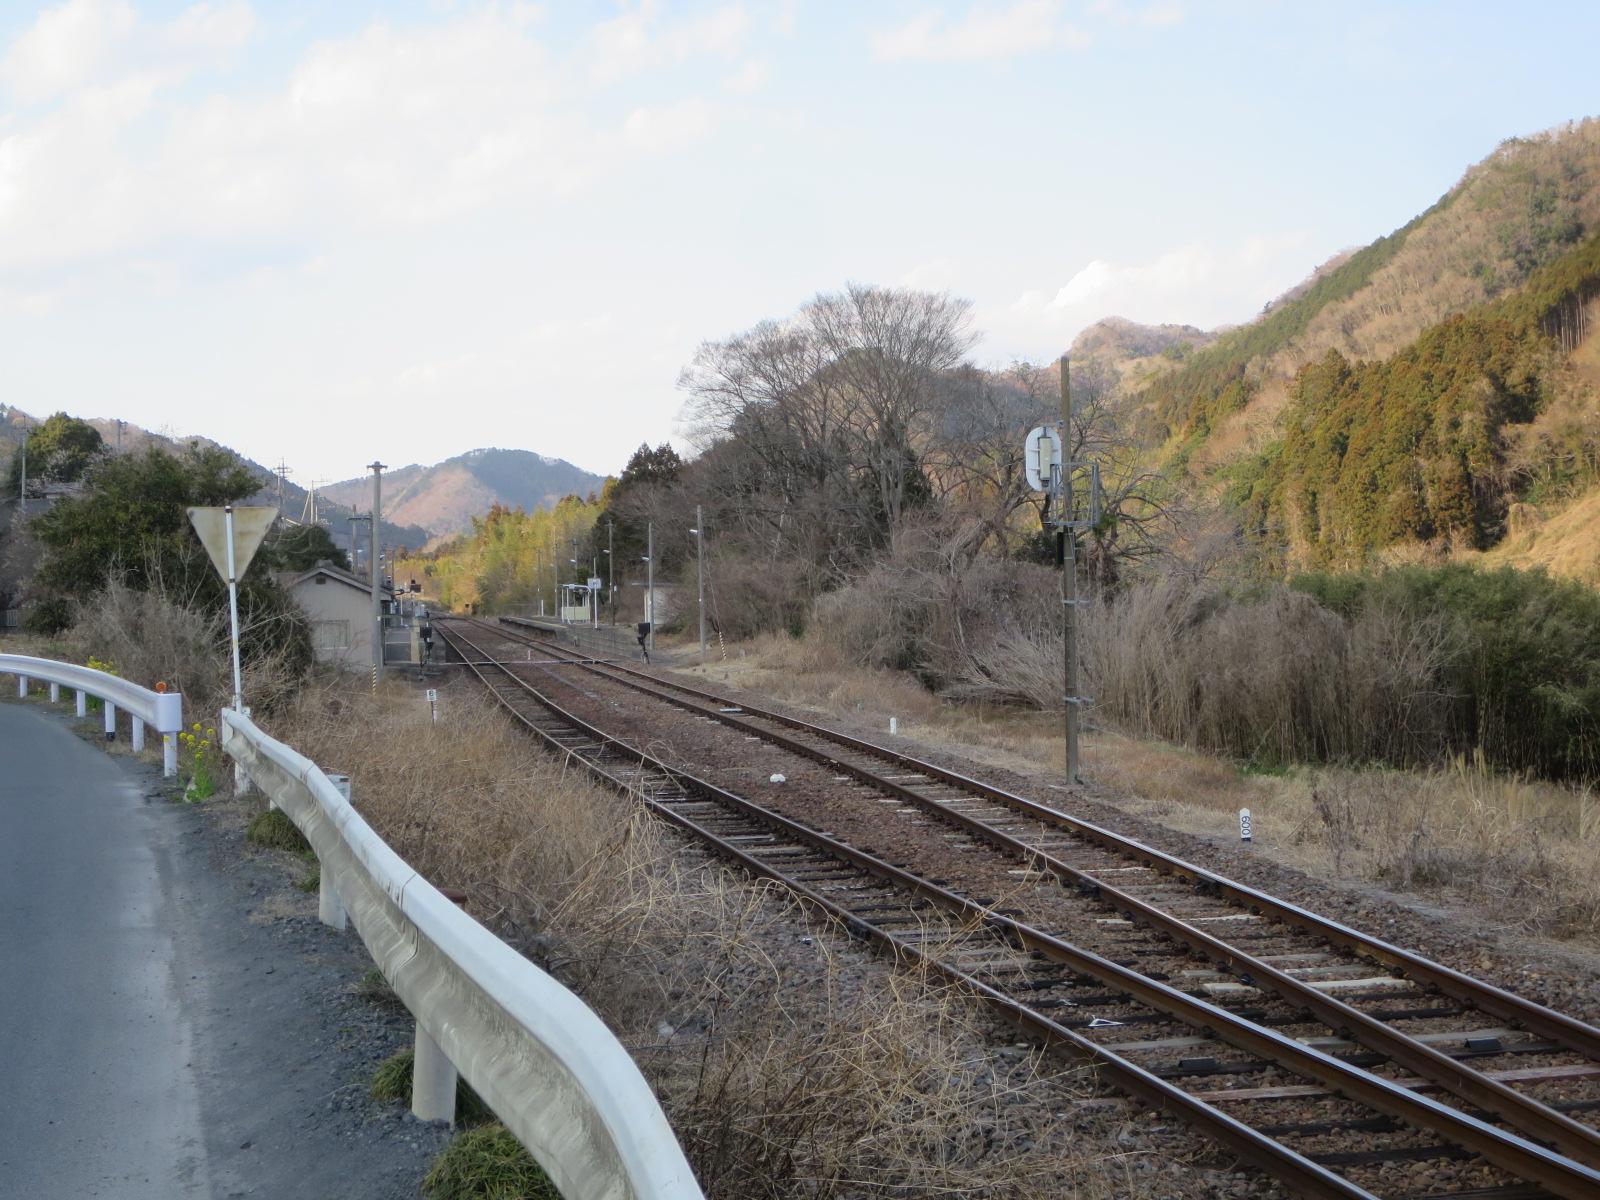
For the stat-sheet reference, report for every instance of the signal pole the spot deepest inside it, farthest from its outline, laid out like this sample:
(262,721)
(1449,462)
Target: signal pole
(699,532)
(377,606)
(1069,580)
(650,580)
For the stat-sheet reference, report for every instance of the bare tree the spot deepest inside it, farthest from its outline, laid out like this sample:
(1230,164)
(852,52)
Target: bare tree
(832,409)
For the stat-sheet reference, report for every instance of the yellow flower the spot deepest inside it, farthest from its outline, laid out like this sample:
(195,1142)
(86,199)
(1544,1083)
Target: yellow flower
(197,726)
(211,732)
(203,745)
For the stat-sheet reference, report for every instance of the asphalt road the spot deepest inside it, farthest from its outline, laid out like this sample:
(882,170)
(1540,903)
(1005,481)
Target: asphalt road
(100,1097)
(174,1022)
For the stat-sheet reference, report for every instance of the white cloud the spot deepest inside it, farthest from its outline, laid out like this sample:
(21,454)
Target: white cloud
(1025,27)
(1205,284)
(1158,15)
(638,39)
(390,126)
(752,76)
(65,48)
(213,27)
(670,127)
(88,44)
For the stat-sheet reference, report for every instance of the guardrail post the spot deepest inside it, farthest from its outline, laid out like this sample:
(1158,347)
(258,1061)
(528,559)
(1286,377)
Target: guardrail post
(22,687)
(83,704)
(55,693)
(330,909)
(433,1081)
(138,735)
(111,721)
(169,754)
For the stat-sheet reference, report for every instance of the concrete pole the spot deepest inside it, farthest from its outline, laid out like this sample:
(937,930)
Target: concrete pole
(611,569)
(1069,580)
(83,705)
(330,909)
(138,735)
(111,721)
(700,575)
(55,693)
(22,687)
(650,579)
(169,754)
(372,544)
(433,1081)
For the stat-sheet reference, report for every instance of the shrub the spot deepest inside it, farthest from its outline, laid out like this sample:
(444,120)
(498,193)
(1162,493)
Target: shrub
(1522,675)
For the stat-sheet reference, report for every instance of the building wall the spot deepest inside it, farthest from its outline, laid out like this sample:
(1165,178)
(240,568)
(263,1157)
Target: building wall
(341,620)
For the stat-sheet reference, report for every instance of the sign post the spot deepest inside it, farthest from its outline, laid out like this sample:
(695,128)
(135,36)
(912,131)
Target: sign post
(231,536)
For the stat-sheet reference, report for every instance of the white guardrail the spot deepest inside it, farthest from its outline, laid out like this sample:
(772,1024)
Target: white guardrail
(162,711)
(537,1055)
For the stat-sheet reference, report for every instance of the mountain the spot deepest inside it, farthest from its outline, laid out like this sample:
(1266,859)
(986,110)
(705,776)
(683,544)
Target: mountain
(445,497)
(128,438)
(1134,355)
(1431,393)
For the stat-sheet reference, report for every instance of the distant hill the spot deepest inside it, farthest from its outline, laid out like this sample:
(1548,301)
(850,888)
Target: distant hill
(131,438)
(1521,208)
(445,497)
(1433,393)
(1135,354)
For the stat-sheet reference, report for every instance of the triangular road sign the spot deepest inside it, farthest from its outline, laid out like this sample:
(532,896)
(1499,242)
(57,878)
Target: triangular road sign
(250,525)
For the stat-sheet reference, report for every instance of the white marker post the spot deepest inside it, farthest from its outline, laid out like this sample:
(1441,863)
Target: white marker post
(1244,825)
(433,703)
(233,608)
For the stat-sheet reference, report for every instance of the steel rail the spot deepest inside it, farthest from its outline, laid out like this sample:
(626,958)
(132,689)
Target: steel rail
(1558,1027)
(1281,1162)
(1530,1116)
(1522,1158)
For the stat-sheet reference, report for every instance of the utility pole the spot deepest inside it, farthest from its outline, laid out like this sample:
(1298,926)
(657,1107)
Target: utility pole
(372,543)
(611,567)
(22,488)
(699,532)
(650,580)
(1069,579)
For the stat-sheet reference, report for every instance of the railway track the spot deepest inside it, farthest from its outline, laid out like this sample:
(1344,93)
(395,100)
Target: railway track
(1257,1022)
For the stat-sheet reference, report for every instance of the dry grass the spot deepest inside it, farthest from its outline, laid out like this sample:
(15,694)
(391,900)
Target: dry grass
(789,1061)
(151,636)
(1520,851)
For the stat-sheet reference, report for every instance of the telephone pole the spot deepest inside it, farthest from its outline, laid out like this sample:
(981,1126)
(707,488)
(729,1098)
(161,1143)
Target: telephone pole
(1069,580)
(699,532)
(372,551)
(650,580)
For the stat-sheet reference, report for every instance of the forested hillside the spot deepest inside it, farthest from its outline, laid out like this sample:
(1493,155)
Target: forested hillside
(1437,441)
(1520,209)
(1426,391)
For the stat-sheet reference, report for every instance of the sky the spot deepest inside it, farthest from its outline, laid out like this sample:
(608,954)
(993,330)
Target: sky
(324,233)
